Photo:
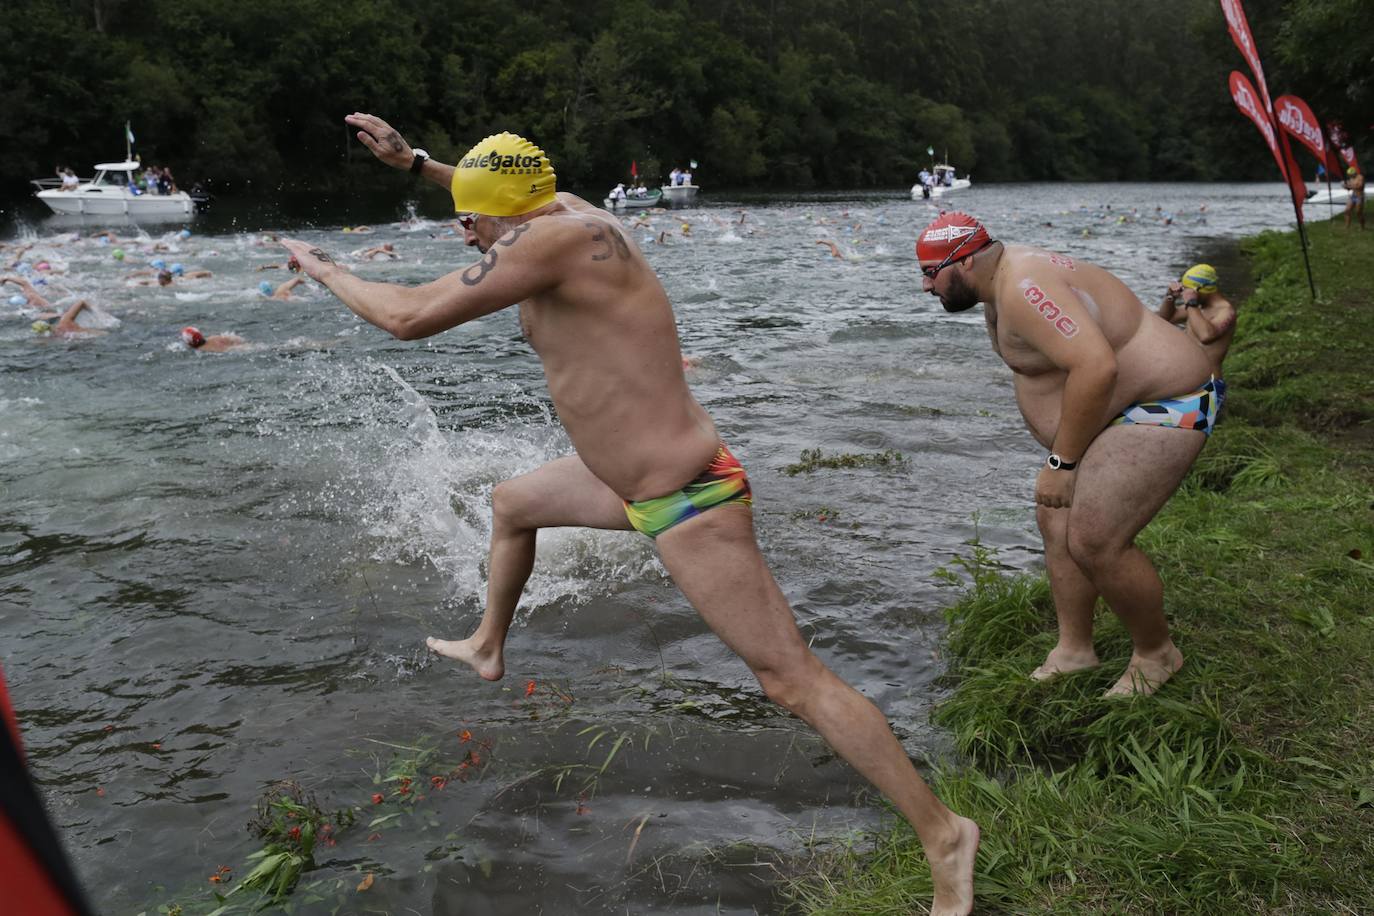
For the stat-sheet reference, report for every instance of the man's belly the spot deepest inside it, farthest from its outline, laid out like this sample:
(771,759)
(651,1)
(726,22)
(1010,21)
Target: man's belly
(1149,368)
(640,446)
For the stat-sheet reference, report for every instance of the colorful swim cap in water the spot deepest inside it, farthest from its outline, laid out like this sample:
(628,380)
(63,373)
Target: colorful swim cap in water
(504,175)
(117,254)
(18,299)
(265,288)
(192,338)
(1201,277)
(157,263)
(177,269)
(41,327)
(951,235)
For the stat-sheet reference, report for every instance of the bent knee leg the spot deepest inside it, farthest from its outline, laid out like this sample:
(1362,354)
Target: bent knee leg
(791,682)
(512,505)
(1094,547)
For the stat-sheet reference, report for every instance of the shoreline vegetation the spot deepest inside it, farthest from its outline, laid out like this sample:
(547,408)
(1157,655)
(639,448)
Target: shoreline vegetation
(1247,783)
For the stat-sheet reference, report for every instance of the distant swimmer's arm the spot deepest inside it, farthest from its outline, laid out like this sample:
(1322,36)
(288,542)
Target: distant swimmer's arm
(1048,316)
(508,273)
(387,144)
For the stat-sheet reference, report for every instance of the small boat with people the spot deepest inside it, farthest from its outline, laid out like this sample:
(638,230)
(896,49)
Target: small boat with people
(114,191)
(636,198)
(938,181)
(680,195)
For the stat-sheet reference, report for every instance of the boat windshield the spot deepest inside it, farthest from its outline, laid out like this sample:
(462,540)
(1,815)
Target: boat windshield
(111,177)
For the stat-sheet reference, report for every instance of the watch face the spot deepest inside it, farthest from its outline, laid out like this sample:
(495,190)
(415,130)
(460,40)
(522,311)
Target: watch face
(1054,462)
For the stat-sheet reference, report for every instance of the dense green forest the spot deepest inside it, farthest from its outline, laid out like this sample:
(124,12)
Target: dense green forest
(764,93)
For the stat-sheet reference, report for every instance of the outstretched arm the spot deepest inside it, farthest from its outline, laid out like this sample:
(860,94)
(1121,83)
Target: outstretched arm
(511,271)
(387,144)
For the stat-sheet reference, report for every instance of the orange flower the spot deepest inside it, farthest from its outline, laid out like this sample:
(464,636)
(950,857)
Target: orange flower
(294,833)
(529,688)
(438,782)
(465,736)
(215,879)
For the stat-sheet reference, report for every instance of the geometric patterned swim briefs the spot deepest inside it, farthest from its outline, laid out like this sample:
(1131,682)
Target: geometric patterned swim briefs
(1197,410)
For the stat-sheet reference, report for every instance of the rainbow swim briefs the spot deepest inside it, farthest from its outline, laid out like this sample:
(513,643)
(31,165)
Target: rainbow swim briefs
(1197,410)
(723,481)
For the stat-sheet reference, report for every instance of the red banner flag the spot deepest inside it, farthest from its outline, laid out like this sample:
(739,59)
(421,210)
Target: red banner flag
(1248,101)
(1296,117)
(634,168)
(1343,147)
(1239,28)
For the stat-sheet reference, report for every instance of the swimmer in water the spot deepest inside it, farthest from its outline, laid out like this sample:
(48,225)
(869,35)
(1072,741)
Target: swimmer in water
(834,249)
(215,343)
(282,292)
(384,250)
(66,325)
(35,299)
(647,455)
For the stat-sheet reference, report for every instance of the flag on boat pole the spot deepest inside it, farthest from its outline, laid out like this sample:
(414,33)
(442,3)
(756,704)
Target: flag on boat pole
(634,168)
(128,132)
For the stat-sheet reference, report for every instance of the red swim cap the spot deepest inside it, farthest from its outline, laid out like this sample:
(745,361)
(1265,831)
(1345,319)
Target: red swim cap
(192,337)
(951,235)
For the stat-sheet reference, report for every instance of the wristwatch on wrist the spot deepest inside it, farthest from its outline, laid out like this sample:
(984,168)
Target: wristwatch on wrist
(417,165)
(1055,463)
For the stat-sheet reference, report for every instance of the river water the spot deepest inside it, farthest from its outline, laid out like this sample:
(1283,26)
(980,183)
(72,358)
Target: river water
(217,570)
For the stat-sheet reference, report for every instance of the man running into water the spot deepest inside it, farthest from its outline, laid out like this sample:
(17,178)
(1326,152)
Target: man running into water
(1122,401)
(648,456)
(1195,303)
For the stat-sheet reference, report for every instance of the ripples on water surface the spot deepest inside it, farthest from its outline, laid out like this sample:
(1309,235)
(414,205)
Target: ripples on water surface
(217,571)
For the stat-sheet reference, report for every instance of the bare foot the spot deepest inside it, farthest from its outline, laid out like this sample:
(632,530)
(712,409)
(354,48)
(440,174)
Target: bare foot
(1146,675)
(489,664)
(1064,661)
(952,870)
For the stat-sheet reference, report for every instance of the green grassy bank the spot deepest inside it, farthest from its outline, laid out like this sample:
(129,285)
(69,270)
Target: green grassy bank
(1247,784)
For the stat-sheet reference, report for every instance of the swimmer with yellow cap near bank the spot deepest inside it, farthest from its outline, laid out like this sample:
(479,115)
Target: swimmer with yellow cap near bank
(647,455)
(1195,303)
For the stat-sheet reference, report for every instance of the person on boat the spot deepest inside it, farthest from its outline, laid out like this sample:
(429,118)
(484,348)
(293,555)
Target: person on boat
(215,343)
(69,180)
(617,193)
(1122,402)
(675,177)
(647,455)
(686,178)
(1194,302)
(1354,183)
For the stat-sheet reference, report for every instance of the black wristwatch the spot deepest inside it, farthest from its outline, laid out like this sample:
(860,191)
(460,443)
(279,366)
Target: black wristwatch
(1055,463)
(417,165)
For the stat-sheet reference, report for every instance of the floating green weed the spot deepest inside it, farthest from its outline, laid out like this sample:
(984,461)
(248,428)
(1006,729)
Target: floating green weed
(813,460)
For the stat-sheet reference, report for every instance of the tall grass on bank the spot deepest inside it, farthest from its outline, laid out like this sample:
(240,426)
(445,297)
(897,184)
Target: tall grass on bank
(1247,784)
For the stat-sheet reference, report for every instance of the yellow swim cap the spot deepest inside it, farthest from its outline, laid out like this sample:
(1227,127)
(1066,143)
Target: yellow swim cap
(504,175)
(41,327)
(1201,277)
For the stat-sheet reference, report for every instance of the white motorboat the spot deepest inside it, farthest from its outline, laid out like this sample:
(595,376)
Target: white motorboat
(113,192)
(944,182)
(679,195)
(1322,201)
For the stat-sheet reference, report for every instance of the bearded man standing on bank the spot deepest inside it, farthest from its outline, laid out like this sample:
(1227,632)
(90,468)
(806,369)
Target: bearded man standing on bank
(1122,402)
(648,456)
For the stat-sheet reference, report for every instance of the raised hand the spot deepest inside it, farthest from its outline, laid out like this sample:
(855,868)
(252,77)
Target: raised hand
(312,259)
(385,141)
